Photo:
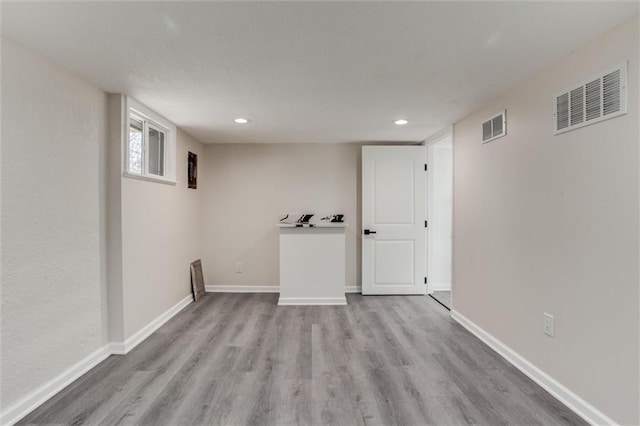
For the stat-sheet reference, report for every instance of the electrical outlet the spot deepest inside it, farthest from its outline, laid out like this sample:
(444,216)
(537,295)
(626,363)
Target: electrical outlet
(548,324)
(238,267)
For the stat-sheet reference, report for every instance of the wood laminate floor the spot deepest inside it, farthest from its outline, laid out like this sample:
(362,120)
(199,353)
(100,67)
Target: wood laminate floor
(444,297)
(238,359)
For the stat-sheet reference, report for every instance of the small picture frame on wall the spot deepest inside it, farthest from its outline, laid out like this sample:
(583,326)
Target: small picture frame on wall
(192,170)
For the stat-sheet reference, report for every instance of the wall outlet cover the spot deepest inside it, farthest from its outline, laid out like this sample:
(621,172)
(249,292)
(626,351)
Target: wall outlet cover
(548,327)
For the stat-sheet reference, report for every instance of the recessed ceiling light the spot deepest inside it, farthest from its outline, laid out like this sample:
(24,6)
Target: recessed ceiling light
(400,122)
(241,121)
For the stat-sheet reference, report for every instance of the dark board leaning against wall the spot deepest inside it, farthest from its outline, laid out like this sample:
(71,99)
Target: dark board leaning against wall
(197,280)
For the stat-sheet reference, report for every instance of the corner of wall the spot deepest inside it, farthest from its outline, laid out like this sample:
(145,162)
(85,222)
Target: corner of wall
(116,111)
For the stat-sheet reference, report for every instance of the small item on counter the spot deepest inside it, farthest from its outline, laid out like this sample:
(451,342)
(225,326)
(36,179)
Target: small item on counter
(296,218)
(335,218)
(305,218)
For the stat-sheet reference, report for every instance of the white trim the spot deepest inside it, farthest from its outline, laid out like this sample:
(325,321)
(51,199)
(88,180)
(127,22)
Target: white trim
(262,289)
(119,348)
(575,403)
(440,287)
(242,288)
(33,400)
(285,301)
(439,135)
(430,202)
(149,178)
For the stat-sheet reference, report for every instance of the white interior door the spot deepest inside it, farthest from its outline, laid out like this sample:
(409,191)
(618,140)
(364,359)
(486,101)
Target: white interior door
(439,213)
(393,220)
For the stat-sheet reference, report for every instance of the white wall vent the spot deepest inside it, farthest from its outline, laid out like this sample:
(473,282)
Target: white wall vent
(597,99)
(494,127)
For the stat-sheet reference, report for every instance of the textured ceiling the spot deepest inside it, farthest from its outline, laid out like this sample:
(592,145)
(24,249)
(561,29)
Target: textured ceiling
(308,71)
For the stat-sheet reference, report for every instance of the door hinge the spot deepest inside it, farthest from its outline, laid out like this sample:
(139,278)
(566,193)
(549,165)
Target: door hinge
(425,280)
(425,223)
(425,167)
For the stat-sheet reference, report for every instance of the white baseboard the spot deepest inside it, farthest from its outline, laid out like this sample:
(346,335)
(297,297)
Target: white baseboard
(118,348)
(440,286)
(286,301)
(242,288)
(262,289)
(33,400)
(575,403)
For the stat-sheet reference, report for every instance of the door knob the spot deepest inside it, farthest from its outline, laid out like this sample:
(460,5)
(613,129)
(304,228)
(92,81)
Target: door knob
(367,232)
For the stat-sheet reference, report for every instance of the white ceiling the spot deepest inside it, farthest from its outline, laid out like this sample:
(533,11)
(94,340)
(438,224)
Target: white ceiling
(308,71)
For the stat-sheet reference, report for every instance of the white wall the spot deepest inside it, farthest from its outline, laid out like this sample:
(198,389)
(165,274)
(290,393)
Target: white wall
(88,256)
(439,206)
(113,239)
(154,234)
(161,236)
(53,132)
(546,223)
(247,186)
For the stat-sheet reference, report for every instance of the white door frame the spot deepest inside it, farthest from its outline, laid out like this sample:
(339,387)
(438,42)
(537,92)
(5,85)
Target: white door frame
(446,132)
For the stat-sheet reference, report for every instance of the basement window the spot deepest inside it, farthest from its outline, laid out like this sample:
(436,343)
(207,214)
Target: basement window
(150,145)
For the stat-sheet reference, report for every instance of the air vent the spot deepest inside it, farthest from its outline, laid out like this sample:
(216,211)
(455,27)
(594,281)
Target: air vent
(494,127)
(599,98)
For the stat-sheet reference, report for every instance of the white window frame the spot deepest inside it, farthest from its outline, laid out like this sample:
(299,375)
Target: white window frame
(150,118)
